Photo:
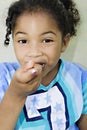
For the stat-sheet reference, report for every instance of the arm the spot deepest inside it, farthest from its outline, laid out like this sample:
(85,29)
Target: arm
(24,82)
(82,123)
(10,109)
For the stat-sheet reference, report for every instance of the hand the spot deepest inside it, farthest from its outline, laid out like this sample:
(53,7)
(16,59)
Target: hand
(82,122)
(26,79)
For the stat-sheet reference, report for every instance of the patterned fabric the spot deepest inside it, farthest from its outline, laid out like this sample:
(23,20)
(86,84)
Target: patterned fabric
(55,107)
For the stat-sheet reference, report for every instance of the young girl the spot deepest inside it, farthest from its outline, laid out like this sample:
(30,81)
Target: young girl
(42,91)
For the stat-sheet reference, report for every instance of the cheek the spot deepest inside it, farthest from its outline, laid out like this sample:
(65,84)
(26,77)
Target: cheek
(55,51)
(19,54)
(19,57)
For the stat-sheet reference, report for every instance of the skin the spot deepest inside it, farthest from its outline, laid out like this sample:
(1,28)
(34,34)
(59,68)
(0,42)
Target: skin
(38,45)
(42,47)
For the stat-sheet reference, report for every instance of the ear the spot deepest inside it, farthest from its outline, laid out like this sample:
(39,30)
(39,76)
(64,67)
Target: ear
(65,42)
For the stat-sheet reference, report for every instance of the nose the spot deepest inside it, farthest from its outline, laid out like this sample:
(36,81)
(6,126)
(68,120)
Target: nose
(34,51)
(34,54)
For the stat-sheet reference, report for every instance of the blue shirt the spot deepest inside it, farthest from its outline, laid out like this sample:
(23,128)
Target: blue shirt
(55,107)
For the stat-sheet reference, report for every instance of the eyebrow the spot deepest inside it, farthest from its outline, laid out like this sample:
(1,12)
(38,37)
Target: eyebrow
(48,33)
(19,32)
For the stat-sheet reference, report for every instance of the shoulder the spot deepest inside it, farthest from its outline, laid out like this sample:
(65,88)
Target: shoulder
(75,70)
(73,74)
(9,66)
(6,72)
(72,65)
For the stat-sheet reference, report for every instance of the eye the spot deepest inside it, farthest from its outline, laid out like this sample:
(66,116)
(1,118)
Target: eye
(23,41)
(47,40)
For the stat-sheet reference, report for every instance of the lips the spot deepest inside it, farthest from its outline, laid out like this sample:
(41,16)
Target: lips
(42,65)
(39,61)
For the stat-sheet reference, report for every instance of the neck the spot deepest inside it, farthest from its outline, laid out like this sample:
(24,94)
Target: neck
(51,75)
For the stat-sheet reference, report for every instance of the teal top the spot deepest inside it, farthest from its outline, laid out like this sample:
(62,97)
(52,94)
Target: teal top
(55,107)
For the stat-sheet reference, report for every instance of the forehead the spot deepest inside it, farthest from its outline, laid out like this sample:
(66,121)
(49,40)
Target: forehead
(39,18)
(38,15)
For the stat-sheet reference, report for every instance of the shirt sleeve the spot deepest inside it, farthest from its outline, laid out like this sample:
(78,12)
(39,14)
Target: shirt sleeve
(84,92)
(85,98)
(3,80)
(6,72)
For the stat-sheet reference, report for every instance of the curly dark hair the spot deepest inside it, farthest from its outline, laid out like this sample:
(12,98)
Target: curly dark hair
(63,11)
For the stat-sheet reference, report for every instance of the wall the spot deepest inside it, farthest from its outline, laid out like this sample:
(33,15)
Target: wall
(77,48)
(6,53)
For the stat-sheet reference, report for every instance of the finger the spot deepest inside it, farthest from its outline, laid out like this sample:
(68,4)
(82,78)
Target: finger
(38,67)
(26,76)
(28,65)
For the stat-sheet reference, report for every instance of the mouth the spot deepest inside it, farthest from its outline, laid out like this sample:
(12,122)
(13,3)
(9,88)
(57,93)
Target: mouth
(39,62)
(42,65)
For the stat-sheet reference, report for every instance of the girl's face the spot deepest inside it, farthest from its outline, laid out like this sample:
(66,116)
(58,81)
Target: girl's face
(37,38)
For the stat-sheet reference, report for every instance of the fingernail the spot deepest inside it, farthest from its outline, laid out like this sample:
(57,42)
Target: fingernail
(34,71)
